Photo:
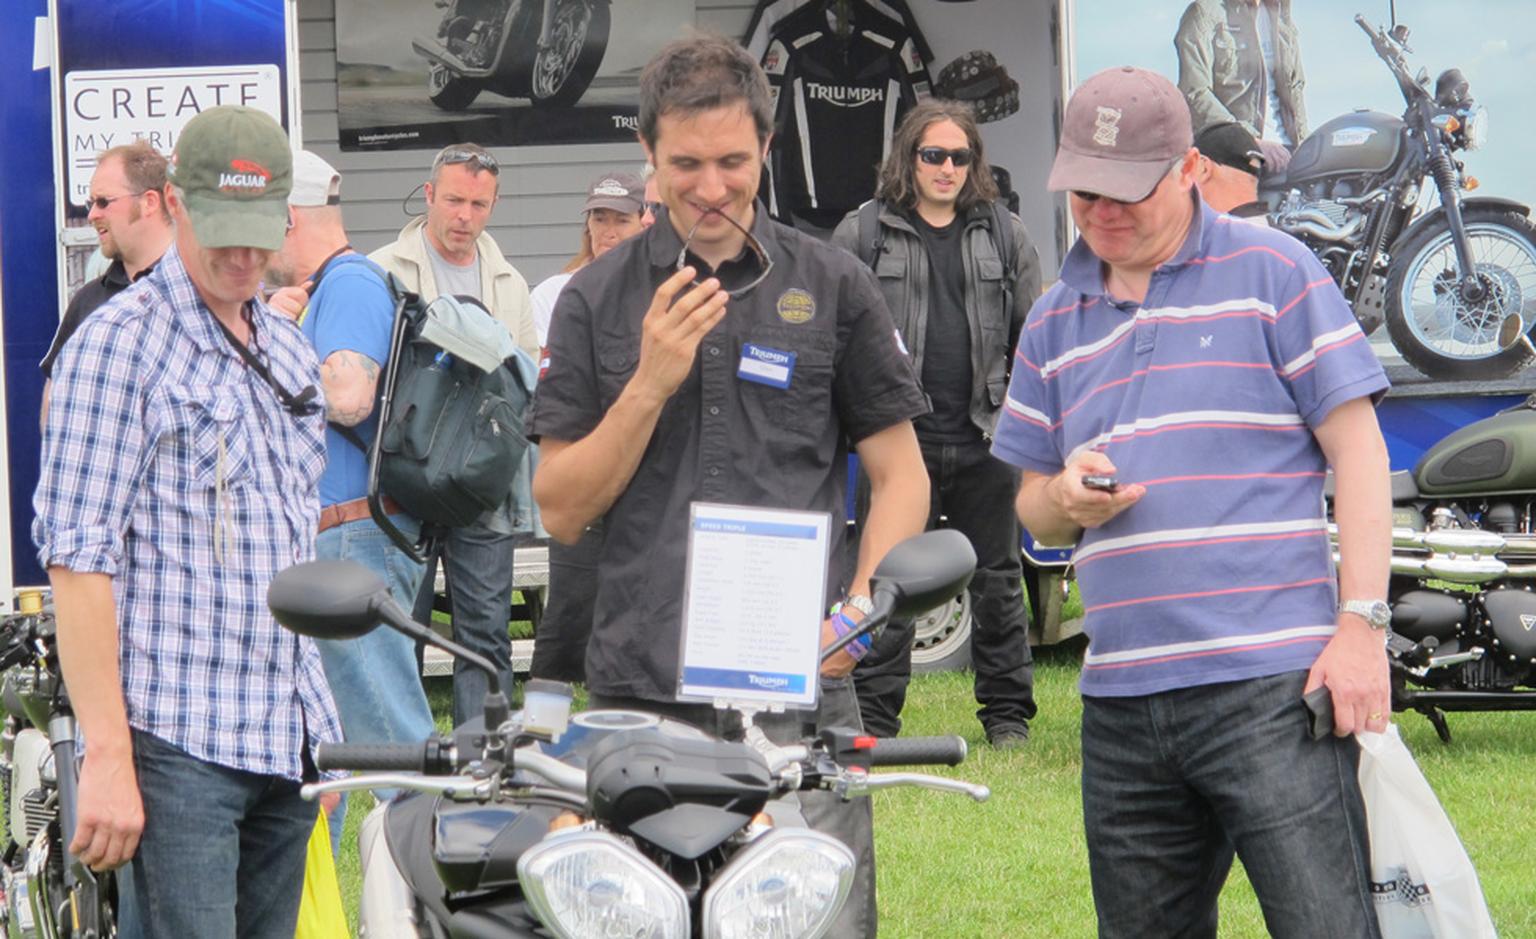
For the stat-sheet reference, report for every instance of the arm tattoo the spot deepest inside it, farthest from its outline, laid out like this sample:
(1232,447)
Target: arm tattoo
(350,380)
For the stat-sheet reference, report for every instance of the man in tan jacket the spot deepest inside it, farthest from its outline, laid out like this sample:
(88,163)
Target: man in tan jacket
(447,251)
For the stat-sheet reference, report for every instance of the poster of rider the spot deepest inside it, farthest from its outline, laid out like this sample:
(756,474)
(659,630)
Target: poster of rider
(413,75)
(1492,42)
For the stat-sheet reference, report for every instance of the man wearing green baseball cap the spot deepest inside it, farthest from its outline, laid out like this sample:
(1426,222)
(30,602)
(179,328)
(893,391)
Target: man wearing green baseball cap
(180,466)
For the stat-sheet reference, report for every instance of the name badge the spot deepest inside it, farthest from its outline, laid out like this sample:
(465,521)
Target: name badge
(771,367)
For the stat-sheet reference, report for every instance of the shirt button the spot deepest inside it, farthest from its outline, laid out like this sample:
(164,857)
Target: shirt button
(714,471)
(714,350)
(713,410)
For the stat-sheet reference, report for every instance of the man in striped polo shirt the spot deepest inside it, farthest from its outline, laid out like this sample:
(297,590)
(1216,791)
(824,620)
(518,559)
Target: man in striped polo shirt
(1210,369)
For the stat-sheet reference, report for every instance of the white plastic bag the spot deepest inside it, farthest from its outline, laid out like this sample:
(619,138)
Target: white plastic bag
(1422,881)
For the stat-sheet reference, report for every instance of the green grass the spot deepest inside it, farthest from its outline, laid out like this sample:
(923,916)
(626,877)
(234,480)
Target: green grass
(1015,866)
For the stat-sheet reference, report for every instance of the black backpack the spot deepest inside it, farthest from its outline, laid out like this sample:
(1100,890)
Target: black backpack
(450,434)
(872,241)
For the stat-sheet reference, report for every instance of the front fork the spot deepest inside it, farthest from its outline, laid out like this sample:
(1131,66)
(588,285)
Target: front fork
(1448,182)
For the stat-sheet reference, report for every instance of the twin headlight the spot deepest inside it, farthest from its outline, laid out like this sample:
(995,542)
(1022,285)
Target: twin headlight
(592,885)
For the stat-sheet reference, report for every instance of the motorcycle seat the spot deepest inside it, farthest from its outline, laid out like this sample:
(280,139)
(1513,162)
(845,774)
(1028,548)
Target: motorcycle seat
(1404,489)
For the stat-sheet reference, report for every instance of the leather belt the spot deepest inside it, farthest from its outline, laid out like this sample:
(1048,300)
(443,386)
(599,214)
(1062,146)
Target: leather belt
(343,512)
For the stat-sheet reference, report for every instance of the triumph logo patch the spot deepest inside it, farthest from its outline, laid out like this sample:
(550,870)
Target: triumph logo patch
(1527,621)
(1106,127)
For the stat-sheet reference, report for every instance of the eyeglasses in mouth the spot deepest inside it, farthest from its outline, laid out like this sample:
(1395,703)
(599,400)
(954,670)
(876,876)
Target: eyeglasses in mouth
(763,260)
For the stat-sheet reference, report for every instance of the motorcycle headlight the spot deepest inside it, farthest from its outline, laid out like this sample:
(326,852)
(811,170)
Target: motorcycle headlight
(1474,127)
(590,885)
(790,882)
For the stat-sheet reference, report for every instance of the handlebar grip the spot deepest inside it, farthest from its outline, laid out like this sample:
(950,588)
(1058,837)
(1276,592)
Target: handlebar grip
(375,757)
(947,750)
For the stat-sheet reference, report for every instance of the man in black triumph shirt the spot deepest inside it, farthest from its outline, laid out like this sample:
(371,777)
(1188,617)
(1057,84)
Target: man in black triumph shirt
(959,306)
(721,357)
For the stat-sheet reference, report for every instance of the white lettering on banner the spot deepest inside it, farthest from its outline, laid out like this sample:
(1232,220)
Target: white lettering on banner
(108,108)
(626,121)
(842,95)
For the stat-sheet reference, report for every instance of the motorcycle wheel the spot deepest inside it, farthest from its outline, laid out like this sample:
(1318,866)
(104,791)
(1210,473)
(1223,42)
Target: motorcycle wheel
(577,40)
(448,91)
(942,638)
(1438,332)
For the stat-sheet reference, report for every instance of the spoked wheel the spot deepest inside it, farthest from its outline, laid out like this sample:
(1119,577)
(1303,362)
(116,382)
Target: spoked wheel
(1442,330)
(567,64)
(448,91)
(942,637)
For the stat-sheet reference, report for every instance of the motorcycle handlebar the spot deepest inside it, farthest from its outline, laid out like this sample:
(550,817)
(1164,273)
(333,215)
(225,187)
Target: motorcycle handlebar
(948,750)
(375,757)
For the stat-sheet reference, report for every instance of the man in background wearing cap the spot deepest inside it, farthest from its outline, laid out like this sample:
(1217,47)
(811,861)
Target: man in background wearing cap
(611,214)
(1228,172)
(127,200)
(447,251)
(342,302)
(960,322)
(1210,369)
(179,474)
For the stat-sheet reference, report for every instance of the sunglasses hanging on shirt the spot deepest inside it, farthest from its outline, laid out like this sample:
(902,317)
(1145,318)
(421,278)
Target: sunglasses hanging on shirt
(302,404)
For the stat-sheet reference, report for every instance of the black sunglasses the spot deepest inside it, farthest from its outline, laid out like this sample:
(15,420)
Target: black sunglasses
(935,156)
(481,159)
(101,202)
(757,248)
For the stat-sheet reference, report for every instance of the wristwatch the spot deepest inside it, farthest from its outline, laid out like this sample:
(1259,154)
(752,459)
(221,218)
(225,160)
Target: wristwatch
(1375,612)
(860,602)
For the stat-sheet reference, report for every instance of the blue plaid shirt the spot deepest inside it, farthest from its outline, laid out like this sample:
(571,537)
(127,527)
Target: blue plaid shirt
(170,465)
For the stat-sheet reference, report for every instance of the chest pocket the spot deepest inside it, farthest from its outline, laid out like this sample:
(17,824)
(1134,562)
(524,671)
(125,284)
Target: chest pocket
(204,436)
(803,410)
(617,359)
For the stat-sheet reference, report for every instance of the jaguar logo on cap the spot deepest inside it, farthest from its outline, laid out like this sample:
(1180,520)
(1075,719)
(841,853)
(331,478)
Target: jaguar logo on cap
(1106,129)
(245,175)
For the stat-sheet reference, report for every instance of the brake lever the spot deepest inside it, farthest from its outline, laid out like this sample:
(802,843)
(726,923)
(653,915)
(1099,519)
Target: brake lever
(854,782)
(454,788)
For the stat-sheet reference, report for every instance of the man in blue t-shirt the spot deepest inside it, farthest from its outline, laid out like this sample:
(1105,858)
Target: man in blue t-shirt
(1176,400)
(342,302)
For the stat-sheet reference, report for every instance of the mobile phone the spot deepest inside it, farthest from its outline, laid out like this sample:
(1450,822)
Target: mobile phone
(1319,705)
(1100,482)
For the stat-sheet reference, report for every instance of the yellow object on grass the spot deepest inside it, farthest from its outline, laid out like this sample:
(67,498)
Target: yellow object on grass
(320,912)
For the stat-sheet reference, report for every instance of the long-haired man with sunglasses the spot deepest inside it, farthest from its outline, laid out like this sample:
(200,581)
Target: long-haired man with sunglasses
(1213,372)
(937,260)
(448,251)
(127,209)
(721,357)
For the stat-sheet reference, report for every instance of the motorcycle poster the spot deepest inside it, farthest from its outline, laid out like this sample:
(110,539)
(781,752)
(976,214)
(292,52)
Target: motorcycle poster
(413,75)
(1411,127)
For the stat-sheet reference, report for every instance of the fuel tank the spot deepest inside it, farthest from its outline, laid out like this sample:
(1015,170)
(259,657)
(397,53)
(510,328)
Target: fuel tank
(1494,455)
(1350,144)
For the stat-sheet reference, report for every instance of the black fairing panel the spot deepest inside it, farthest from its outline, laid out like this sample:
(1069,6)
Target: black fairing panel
(476,847)
(1360,142)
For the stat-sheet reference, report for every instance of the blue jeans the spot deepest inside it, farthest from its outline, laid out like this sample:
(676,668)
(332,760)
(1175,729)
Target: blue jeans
(374,678)
(478,565)
(1175,783)
(222,853)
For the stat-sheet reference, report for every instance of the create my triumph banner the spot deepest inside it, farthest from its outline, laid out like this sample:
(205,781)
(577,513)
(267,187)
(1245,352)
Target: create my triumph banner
(414,75)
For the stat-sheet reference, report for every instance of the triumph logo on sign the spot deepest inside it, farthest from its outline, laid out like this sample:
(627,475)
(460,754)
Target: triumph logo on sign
(1528,621)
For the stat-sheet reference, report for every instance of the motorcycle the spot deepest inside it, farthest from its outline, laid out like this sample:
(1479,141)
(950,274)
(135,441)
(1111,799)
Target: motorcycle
(1463,633)
(1444,281)
(547,51)
(48,892)
(609,823)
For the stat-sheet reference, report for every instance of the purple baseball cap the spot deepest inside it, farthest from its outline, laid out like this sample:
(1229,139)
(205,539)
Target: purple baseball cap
(1121,134)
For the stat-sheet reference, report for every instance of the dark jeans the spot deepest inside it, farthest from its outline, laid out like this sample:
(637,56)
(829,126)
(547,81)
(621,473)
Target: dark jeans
(1175,783)
(560,641)
(222,854)
(477,563)
(850,822)
(975,491)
